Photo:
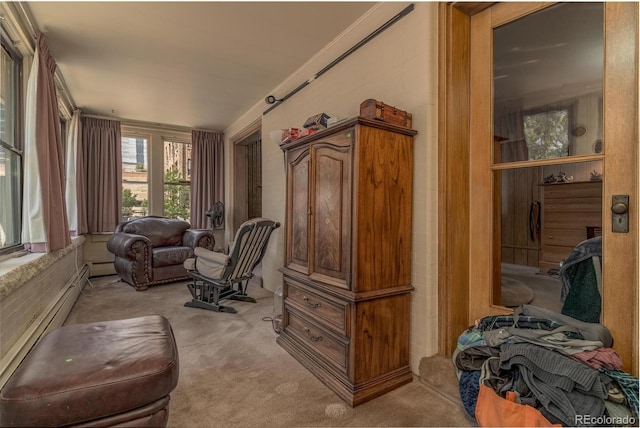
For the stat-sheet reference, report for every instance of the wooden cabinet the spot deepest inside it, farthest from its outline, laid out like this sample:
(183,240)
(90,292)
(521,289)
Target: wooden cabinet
(347,270)
(568,209)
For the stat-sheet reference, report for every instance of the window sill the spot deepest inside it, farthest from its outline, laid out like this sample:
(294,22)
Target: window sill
(16,271)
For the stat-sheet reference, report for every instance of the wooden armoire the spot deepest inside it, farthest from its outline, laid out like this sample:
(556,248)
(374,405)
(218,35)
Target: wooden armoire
(347,269)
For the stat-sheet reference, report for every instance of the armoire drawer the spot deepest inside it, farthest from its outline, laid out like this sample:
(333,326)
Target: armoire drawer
(318,340)
(331,312)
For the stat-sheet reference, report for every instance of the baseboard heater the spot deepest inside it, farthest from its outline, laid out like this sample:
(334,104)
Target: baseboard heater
(53,316)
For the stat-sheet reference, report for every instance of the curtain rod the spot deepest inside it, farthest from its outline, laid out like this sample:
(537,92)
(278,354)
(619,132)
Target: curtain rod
(140,124)
(149,125)
(355,47)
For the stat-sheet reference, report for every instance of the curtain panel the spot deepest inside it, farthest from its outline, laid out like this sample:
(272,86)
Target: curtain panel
(508,129)
(71,193)
(99,175)
(207,175)
(45,226)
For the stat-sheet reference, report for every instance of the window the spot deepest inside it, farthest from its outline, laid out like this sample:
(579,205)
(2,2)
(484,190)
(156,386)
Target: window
(177,179)
(135,177)
(547,134)
(10,150)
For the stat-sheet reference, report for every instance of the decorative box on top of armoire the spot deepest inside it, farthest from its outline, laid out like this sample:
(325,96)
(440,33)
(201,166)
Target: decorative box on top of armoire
(347,270)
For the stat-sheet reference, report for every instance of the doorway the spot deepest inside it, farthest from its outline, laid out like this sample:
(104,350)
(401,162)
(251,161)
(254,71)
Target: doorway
(470,270)
(247,178)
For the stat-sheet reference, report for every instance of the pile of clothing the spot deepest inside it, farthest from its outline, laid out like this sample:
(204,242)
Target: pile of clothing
(538,367)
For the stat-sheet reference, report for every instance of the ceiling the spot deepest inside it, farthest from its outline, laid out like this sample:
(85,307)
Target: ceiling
(193,64)
(557,52)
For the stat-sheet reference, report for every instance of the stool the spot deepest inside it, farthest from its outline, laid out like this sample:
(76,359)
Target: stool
(98,374)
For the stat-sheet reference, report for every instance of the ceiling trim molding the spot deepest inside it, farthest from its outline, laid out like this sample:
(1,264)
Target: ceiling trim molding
(63,92)
(16,27)
(23,28)
(471,8)
(247,131)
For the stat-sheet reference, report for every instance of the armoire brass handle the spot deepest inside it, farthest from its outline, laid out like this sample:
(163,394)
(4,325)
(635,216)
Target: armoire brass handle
(310,304)
(313,338)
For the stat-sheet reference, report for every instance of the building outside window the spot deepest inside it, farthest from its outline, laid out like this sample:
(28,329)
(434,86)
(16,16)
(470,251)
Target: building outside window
(10,150)
(135,177)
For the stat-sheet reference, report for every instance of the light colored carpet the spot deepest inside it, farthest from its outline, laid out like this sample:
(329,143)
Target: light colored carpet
(546,288)
(233,374)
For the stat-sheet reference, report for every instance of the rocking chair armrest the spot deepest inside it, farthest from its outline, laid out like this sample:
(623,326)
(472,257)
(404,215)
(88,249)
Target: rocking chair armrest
(212,256)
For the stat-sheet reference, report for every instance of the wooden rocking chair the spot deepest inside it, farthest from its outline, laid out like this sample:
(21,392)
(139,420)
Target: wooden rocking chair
(218,276)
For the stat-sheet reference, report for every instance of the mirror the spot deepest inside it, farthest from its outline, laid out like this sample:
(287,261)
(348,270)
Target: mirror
(547,75)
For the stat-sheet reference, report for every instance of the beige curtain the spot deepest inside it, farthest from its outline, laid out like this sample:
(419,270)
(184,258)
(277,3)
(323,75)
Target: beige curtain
(71,164)
(49,214)
(207,175)
(99,175)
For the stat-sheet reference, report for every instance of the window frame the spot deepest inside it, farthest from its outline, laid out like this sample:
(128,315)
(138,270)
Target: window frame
(569,108)
(147,138)
(182,183)
(17,146)
(156,138)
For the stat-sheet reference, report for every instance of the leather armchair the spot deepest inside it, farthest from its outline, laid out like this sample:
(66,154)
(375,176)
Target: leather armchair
(151,250)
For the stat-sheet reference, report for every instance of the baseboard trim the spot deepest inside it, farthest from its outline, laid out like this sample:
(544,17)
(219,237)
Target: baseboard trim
(52,317)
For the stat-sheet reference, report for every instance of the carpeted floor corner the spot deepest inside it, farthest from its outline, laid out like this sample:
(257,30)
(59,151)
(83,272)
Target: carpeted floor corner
(234,374)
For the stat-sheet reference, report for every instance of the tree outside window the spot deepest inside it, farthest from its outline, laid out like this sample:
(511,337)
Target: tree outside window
(547,134)
(177,180)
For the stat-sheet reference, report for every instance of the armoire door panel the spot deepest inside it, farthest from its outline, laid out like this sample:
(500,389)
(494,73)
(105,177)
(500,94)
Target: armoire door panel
(298,203)
(331,210)
(384,190)
(328,213)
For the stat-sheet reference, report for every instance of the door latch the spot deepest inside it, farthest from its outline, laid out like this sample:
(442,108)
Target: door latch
(620,213)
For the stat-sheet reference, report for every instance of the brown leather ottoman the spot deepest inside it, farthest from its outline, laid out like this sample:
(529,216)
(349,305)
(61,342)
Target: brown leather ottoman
(99,374)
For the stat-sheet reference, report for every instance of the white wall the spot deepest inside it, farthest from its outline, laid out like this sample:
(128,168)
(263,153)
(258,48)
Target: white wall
(398,67)
(37,292)
(589,115)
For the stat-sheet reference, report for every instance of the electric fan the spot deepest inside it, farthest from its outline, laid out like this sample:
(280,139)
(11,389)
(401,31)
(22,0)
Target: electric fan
(216,214)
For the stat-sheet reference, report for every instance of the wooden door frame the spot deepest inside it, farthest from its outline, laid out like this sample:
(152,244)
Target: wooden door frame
(620,311)
(454,26)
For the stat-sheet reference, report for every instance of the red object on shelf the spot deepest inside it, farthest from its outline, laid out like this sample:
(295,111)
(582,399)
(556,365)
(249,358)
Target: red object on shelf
(295,133)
